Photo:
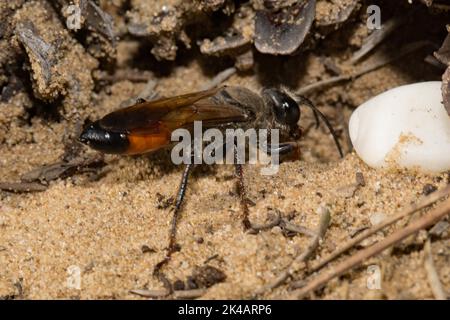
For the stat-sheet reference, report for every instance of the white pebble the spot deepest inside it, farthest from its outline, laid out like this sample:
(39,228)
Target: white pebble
(377,218)
(405,127)
(377,187)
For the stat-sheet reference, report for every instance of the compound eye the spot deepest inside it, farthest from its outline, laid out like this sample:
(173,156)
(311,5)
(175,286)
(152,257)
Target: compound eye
(286,109)
(292,111)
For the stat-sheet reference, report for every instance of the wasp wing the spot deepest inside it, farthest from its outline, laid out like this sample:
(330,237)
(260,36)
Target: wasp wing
(168,114)
(148,113)
(206,111)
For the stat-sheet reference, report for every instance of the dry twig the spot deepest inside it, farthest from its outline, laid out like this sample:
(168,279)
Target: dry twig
(299,260)
(426,221)
(368,68)
(177,294)
(432,274)
(289,226)
(151,293)
(424,202)
(376,37)
(22,186)
(219,78)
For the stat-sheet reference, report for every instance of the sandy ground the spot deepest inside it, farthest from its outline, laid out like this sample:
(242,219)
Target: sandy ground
(100,227)
(112,230)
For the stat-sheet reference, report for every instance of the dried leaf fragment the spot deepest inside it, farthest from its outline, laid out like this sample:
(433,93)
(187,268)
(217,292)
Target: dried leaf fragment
(37,49)
(282,31)
(207,276)
(98,19)
(61,169)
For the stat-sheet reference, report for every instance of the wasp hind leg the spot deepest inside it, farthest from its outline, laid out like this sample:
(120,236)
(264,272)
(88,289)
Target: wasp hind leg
(242,191)
(173,226)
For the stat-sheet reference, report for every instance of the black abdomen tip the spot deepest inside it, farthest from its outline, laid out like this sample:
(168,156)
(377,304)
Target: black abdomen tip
(103,140)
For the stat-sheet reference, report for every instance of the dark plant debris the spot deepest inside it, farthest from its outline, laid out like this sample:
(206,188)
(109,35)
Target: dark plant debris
(207,276)
(443,55)
(63,169)
(38,178)
(282,28)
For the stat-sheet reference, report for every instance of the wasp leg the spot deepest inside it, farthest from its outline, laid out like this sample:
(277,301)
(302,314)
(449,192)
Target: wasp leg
(282,148)
(173,228)
(289,148)
(140,100)
(242,192)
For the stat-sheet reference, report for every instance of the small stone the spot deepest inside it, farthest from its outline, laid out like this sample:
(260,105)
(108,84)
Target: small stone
(276,230)
(190,283)
(207,276)
(199,240)
(422,236)
(377,218)
(428,189)
(347,191)
(178,285)
(377,187)
(439,228)
(359,177)
(147,249)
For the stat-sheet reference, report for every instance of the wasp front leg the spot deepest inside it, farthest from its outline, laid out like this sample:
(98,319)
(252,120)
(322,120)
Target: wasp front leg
(289,148)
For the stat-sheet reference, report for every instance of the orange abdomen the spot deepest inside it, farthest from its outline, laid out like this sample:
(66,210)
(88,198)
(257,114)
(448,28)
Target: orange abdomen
(143,143)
